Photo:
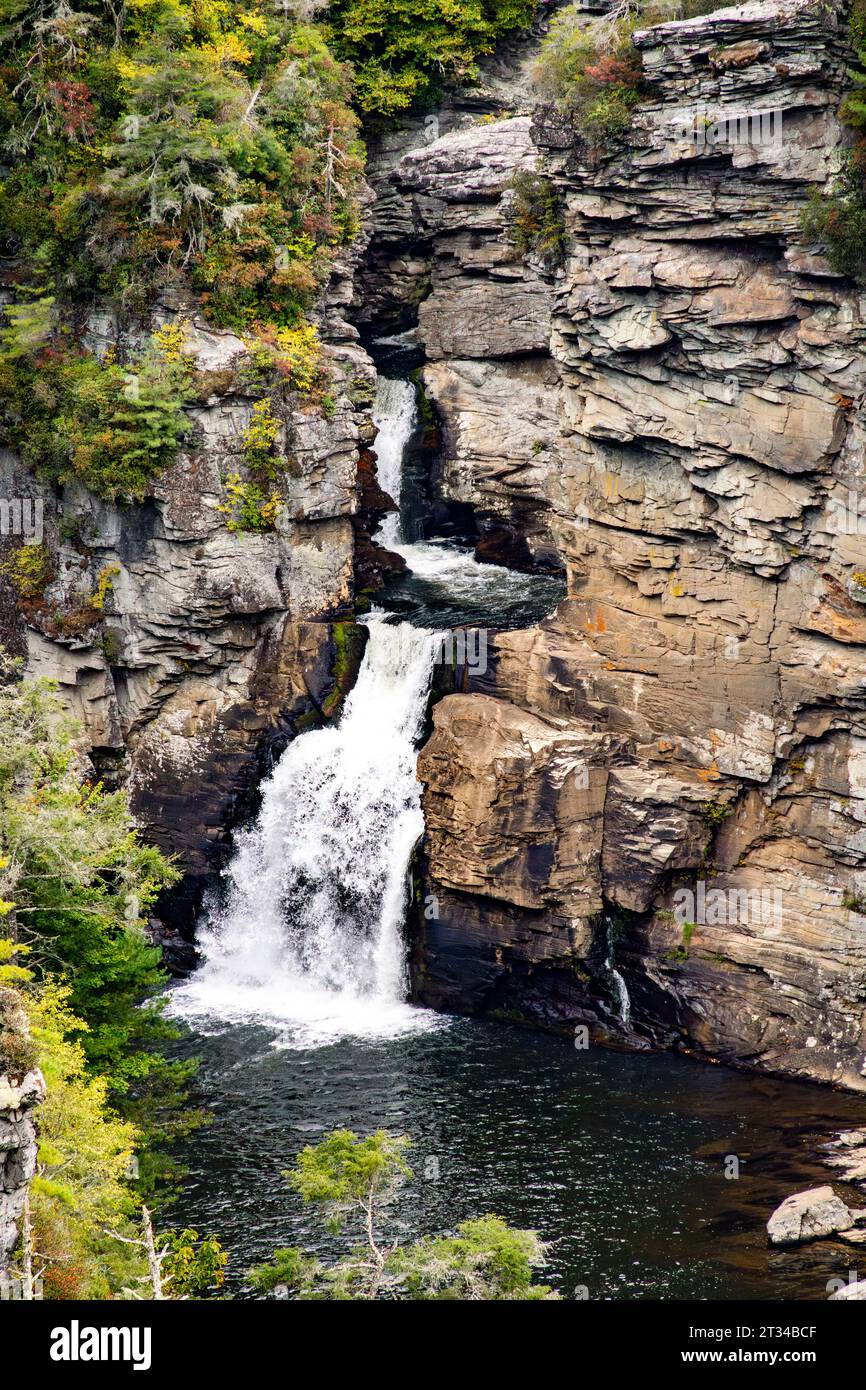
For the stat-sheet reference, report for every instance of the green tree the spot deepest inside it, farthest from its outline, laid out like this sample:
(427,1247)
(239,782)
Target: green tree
(75,884)
(85,1150)
(484,1260)
(80,1230)
(193,1265)
(401,49)
(352,1181)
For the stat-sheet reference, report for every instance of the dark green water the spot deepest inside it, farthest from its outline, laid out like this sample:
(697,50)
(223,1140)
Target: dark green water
(617,1160)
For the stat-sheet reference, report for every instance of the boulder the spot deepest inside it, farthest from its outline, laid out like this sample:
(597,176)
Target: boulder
(851,1291)
(809,1215)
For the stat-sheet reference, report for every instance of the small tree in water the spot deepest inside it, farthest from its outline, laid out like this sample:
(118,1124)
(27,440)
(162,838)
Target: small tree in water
(353,1180)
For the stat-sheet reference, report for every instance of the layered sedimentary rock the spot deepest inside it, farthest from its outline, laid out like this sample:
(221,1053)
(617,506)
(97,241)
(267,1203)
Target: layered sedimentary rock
(441,257)
(483,318)
(699,468)
(211,647)
(22,1090)
(18,1148)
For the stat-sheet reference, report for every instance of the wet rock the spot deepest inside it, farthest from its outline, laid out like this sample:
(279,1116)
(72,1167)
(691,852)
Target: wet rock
(846,1154)
(179,956)
(809,1215)
(854,1292)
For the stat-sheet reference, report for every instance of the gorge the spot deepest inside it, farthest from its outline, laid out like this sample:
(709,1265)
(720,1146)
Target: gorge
(558,625)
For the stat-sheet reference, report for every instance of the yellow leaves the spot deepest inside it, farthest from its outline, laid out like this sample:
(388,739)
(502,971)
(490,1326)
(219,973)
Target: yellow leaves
(30,570)
(299,355)
(229,51)
(78,1131)
(129,71)
(49,1154)
(104,586)
(262,434)
(235,488)
(247,508)
(169,340)
(11,974)
(255,22)
(55,1191)
(271,510)
(9,948)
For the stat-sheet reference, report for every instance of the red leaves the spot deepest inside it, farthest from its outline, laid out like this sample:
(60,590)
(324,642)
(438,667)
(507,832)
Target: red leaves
(858,154)
(317,224)
(612,72)
(73,102)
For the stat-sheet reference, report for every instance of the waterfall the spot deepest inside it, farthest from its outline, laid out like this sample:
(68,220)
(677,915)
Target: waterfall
(308,931)
(394,416)
(454,585)
(311,928)
(620,991)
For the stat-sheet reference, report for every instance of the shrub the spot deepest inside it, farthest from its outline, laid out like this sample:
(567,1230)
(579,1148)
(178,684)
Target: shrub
(299,356)
(248,508)
(401,50)
(74,416)
(30,570)
(838,222)
(591,70)
(537,218)
(261,438)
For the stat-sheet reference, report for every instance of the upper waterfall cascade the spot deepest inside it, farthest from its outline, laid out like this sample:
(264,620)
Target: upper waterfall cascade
(394,416)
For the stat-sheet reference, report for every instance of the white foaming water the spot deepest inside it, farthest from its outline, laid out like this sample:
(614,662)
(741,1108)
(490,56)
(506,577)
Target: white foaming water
(311,931)
(395,416)
(310,936)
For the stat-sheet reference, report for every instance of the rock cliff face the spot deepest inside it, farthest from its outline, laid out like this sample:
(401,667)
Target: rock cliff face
(661,789)
(22,1089)
(440,258)
(18,1149)
(213,648)
(670,770)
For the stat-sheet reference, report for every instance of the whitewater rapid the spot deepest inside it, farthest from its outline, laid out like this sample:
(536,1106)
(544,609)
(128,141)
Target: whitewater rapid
(310,929)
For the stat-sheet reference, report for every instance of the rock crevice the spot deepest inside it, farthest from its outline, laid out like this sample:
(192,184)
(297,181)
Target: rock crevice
(676,409)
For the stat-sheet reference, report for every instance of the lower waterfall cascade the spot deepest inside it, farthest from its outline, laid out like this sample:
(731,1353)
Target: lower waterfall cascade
(311,928)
